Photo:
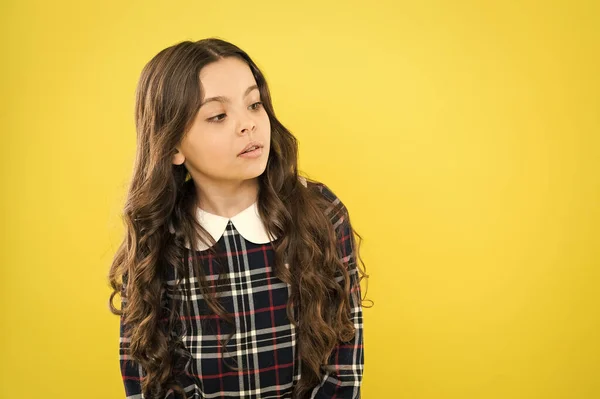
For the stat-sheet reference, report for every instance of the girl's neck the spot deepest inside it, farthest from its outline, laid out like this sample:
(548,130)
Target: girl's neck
(226,199)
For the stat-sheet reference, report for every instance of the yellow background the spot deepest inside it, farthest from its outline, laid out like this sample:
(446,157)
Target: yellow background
(462,136)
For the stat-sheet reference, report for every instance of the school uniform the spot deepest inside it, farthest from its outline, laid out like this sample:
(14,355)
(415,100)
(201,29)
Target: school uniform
(265,343)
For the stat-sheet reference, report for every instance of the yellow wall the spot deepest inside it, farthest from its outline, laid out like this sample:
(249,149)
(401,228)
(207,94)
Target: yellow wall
(464,138)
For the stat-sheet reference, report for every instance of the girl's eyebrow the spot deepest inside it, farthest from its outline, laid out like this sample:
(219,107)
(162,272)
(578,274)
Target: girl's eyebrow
(224,99)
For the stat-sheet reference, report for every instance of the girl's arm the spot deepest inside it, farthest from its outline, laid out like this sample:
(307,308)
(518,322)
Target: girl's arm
(342,377)
(131,371)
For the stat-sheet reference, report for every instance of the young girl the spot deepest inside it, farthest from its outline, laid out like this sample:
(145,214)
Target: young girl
(238,277)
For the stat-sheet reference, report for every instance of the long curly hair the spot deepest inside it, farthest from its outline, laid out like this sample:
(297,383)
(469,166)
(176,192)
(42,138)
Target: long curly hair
(162,195)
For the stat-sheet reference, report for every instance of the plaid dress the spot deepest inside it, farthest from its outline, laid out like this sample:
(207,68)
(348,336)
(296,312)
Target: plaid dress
(264,345)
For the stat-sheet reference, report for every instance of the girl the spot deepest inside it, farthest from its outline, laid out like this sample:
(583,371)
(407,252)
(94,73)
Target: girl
(238,277)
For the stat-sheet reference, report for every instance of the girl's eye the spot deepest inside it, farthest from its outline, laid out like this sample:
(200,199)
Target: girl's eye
(215,119)
(258,105)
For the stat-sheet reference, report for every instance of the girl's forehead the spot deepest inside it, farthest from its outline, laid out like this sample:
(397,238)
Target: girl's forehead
(229,73)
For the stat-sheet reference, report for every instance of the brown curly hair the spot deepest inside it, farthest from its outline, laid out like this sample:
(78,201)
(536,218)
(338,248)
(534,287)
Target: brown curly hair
(161,194)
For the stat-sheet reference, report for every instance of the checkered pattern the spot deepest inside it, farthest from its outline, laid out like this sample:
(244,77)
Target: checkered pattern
(265,344)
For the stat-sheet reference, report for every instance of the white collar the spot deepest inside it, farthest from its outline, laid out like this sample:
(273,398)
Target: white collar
(247,222)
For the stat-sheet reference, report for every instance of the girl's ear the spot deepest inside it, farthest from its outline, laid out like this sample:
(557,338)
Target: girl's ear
(178,157)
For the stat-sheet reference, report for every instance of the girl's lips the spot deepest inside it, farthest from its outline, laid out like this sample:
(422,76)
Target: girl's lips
(252,154)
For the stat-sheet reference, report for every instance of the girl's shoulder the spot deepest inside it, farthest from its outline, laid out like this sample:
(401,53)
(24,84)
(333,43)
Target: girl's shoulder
(333,202)
(320,186)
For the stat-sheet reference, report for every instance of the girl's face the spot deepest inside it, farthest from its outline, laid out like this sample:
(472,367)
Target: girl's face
(230,118)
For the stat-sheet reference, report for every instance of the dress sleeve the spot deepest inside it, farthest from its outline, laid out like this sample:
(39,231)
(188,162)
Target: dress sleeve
(342,376)
(131,371)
